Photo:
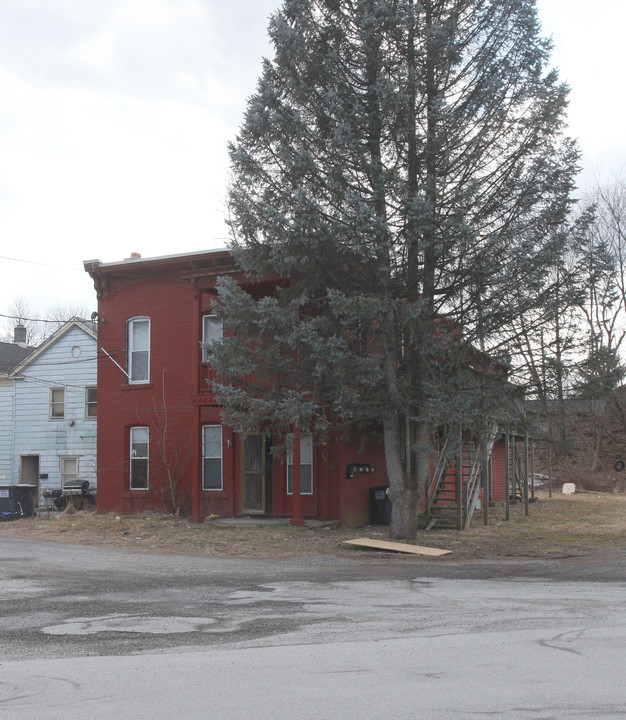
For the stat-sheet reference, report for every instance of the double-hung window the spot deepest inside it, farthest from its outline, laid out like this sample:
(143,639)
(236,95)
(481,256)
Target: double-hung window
(212,457)
(211,333)
(139,447)
(91,403)
(69,470)
(306,464)
(57,403)
(138,350)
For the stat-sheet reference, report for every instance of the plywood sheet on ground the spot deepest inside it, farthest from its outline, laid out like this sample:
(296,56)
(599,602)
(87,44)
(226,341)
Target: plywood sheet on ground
(397,547)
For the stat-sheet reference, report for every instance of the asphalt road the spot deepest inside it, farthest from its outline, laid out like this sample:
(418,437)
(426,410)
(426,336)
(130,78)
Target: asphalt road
(88,632)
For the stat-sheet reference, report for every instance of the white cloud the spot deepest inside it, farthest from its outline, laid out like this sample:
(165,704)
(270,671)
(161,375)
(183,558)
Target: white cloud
(588,50)
(114,119)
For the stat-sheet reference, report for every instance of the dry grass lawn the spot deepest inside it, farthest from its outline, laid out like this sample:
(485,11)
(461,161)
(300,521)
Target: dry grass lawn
(576,525)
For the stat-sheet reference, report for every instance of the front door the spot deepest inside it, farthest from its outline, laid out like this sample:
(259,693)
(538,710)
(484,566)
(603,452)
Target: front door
(29,469)
(29,473)
(253,470)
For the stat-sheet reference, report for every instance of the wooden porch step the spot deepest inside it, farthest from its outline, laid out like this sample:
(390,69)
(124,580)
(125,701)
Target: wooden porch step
(444,523)
(446,511)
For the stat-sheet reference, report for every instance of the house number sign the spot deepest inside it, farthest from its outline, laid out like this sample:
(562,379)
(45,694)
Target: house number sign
(360,468)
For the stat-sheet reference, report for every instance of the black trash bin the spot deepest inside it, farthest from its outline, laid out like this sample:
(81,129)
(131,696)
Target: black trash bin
(10,508)
(26,495)
(380,506)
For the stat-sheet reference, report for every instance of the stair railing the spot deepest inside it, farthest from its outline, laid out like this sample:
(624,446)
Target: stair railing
(471,489)
(436,480)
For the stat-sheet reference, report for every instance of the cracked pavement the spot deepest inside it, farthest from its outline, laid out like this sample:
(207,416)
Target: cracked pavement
(89,631)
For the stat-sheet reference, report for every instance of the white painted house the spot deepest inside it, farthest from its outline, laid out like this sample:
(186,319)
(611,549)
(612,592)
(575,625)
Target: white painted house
(48,412)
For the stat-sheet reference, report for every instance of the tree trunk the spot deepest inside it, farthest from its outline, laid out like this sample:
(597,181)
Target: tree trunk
(403,498)
(596,465)
(597,424)
(559,382)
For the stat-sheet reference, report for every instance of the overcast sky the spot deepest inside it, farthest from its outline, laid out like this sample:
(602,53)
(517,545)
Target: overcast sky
(114,119)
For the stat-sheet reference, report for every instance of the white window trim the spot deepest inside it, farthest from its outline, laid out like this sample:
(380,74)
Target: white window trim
(50,403)
(87,404)
(204,333)
(62,460)
(221,458)
(142,457)
(290,438)
(130,350)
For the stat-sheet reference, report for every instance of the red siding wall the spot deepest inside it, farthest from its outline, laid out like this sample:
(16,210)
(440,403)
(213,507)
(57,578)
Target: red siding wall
(498,472)
(177,402)
(122,405)
(354,494)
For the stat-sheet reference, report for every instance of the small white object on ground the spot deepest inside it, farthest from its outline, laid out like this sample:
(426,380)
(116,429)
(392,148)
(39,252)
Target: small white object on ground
(569,488)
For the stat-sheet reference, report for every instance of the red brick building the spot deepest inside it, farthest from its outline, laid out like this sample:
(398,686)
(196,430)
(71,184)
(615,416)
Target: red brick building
(161,442)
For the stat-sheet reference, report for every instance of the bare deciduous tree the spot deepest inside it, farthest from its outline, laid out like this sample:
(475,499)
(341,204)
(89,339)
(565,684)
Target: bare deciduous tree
(171,458)
(38,326)
(602,275)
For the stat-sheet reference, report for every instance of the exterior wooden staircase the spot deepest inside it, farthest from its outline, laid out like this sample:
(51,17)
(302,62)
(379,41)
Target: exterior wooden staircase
(453,490)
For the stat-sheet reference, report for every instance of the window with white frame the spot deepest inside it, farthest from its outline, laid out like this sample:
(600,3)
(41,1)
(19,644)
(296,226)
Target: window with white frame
(138,350)
(91,403)
(139,448)
(57,403)
(69,470)
(306,464)
(212,457)
(211,332)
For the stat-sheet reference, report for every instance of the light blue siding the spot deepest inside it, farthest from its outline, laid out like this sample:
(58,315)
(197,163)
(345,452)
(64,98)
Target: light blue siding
(35,433)
(6,432)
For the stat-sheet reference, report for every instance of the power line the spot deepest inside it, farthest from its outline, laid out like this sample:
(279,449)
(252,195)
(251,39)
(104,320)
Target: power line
(51,383)
(73,361)
(20,318)
(34,262)
(52,363)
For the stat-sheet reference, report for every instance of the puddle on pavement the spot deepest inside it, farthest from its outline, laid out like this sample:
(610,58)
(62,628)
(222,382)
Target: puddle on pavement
(130,624)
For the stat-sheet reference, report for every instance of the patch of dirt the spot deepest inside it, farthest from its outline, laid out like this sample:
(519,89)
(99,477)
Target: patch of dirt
(561,526)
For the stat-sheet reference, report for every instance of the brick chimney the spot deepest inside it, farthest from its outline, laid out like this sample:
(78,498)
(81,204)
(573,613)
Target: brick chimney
(19,335)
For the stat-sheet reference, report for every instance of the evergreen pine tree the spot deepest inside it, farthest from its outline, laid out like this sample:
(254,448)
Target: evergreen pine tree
(403,164)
